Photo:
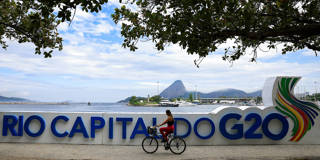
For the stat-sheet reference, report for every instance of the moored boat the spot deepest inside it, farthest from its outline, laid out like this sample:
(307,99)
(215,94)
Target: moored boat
(167,103)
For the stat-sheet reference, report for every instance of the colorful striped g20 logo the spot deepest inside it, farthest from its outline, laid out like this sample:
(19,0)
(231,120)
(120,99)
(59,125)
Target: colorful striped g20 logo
(302,113)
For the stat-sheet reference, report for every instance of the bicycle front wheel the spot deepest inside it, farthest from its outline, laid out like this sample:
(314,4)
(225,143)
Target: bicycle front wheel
(177,145)
(150,144)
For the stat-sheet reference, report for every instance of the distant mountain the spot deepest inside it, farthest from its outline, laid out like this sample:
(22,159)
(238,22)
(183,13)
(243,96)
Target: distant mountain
(224,93)
(255,94)
(124,100)
(13,99)
(176,89)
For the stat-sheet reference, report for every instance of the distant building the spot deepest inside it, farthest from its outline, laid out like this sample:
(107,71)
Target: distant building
(228,101)
(300,95)
(224,100)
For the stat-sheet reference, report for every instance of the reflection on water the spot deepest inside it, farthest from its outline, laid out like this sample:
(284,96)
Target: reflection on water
(102,107)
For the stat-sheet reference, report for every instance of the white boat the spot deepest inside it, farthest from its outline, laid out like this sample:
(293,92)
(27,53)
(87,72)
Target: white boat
(185,103)
(196,102)
(167,103)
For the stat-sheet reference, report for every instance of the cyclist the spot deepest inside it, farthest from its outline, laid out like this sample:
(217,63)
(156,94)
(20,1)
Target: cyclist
(169,129)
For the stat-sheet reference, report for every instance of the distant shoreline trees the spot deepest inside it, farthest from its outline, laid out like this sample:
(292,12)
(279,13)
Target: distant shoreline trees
(140,101)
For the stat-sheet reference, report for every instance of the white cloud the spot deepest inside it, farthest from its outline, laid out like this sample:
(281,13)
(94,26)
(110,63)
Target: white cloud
(81,15)
(118,63)
(97,27)
(93,67)
(154,84)
(63,26)
(263,52)
(116,3)
(103,27)
(84,22)
(308,52)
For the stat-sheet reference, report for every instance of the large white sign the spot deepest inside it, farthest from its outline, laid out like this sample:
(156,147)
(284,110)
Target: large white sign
(286,120)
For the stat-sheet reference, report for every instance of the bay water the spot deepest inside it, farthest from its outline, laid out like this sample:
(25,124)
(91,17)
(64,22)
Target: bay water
(103,107)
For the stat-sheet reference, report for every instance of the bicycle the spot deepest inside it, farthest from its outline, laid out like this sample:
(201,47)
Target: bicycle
(150,143)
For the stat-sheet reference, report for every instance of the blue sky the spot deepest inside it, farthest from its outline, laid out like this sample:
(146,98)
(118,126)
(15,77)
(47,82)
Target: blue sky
(94,67)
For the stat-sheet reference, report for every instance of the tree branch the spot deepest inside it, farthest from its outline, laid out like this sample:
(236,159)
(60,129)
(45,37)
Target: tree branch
(313,47)
(301,32)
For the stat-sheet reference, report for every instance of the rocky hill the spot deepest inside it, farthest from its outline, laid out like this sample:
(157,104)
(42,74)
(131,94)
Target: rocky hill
(177,89)
(13,99)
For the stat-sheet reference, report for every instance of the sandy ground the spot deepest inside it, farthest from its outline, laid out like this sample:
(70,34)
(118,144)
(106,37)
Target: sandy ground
(17,151)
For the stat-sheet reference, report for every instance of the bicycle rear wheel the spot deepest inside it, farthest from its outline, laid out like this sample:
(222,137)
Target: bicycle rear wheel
(177,145)
(150,144)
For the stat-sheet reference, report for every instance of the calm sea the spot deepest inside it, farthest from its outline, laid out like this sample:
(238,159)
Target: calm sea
(102,107)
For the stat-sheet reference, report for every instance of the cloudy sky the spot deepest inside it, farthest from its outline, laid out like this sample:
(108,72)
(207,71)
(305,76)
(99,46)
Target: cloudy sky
(94,67)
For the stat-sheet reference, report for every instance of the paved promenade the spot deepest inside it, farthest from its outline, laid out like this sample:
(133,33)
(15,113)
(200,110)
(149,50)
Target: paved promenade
(19,151)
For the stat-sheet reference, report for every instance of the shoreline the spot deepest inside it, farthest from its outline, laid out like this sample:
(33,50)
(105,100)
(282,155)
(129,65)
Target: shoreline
(37,103)
(145,105)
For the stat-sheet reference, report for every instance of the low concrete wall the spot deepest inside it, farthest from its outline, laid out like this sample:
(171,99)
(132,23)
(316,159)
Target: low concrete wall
(112,132)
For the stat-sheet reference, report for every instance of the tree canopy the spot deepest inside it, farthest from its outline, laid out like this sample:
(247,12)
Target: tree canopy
(199,26)
(36,21)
